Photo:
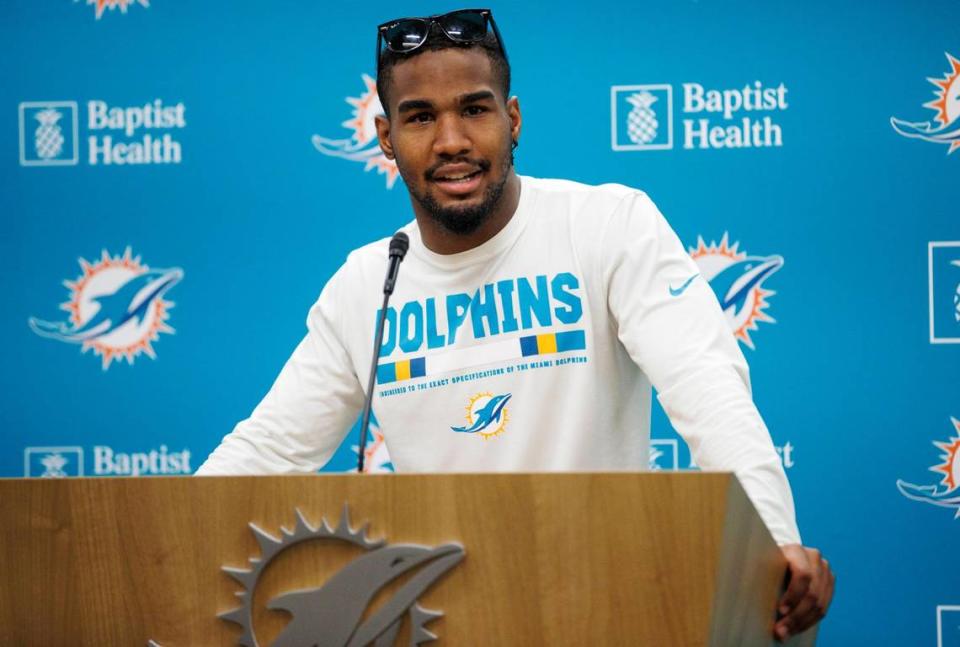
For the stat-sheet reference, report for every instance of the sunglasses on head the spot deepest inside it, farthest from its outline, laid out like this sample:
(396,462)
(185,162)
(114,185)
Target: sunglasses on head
(404,35)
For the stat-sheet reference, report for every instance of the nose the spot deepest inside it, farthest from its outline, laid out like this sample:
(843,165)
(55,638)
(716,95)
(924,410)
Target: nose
(451,138)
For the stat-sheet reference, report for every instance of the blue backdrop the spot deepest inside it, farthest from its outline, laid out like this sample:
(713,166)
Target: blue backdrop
(227,146)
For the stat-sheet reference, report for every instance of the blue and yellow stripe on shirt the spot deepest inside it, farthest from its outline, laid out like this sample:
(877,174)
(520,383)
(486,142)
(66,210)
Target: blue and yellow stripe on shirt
(403,370)
(549,343)
(464,358)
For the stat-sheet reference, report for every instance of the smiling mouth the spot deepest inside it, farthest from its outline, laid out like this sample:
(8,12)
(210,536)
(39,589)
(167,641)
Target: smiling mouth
(459,184)
(457,177)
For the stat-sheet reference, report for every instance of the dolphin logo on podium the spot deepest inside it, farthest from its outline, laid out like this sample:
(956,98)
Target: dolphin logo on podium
(332,615)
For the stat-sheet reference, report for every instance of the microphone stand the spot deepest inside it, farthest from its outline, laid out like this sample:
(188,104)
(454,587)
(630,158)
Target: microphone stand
(398,249)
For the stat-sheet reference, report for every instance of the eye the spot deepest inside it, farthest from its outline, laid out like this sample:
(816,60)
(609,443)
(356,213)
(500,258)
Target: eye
(474,111)
(420,118)
(396,560)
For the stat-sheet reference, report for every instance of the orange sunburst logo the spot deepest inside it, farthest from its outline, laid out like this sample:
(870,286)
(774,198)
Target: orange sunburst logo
(362,146)
(949,470)
(737,279)
(376,457)
(950,467)
(945,126)
(115,308)
(103,5)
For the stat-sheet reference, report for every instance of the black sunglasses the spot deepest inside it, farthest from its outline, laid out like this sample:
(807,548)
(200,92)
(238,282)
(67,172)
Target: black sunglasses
(404,35)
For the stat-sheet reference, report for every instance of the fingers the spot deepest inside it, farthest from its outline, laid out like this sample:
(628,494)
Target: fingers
(800,573)
(813,594)
(827,597)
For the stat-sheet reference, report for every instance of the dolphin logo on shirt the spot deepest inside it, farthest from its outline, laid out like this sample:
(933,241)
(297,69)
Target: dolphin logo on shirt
(489,413)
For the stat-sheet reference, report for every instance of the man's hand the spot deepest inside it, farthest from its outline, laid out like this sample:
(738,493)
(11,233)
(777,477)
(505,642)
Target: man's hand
(808,594)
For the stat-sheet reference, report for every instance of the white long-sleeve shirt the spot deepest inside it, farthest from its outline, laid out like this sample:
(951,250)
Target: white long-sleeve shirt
(535,351)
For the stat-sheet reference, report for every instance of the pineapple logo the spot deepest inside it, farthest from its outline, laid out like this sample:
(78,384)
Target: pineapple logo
(48,138)
(662,455)
(48,133)
(637,116)
(944,291)
(642,121)
(53,465)
(52,462)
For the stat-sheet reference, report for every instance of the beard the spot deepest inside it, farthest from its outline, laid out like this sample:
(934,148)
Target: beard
(467,219)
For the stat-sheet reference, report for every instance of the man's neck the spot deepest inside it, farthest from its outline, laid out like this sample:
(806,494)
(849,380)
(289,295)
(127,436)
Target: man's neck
(440,240)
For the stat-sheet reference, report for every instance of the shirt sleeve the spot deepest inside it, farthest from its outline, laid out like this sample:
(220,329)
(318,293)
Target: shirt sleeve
(308,410)
(674,329)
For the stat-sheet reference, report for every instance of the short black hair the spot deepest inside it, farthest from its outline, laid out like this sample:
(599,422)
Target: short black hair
(437,40)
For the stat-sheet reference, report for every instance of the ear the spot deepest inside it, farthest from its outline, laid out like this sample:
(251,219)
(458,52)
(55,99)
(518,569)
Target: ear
(383,135)
(516,121)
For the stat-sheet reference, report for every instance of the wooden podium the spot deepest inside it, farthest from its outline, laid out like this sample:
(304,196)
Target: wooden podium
(660,559)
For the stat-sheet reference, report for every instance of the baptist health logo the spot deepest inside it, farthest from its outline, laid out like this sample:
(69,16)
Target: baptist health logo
(948,625)
(362,145)
(944,288)
(53,462)
(641,116)
(50,134)
(116,308)
(663,455)
(945,127)
(63,462)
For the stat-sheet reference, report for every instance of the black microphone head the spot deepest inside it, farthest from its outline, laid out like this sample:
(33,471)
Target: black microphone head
(399,245)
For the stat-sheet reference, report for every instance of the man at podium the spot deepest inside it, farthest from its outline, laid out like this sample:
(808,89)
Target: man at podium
(531,319)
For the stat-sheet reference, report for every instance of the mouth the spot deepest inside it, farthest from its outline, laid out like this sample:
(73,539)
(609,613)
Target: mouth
(458,180)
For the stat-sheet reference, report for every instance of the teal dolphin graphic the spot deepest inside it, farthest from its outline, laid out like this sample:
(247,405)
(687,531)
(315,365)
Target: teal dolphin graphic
(491,412)
(927,131)
(130,301)
(735,282)
(930,494)
(347,149)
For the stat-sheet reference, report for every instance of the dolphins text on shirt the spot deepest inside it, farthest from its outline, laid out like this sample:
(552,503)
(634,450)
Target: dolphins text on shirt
(493,309)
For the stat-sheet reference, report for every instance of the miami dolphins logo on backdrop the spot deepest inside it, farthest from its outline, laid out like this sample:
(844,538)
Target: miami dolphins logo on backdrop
(487,415)
(116,308)
(945,127)
(103,5)
(376,458)
(738,279)
(949,495)
(362,145)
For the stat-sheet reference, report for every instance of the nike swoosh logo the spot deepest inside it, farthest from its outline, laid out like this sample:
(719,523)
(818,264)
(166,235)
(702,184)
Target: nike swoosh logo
(682,288)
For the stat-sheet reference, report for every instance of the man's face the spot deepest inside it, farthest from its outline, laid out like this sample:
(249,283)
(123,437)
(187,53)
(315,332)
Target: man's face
(451,133)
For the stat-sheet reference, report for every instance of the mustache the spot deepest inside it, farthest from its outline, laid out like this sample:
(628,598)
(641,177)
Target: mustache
(481,164)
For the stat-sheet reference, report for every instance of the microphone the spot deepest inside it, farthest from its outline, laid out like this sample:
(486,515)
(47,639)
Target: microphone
(398,249)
